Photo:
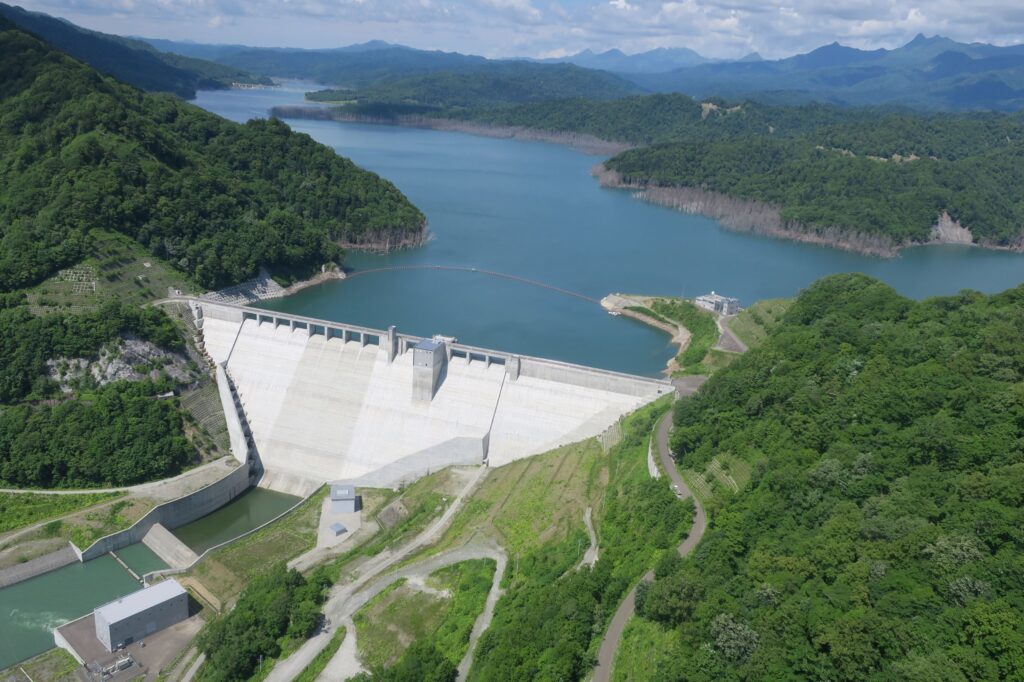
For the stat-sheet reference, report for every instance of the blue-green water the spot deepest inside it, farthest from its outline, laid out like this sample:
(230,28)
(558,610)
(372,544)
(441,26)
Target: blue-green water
(141,559)
(250,510)
(30,610)
(531,209)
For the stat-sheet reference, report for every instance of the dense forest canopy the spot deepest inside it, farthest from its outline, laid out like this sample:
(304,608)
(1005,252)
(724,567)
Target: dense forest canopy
(821,188)
(497,84)
(881,535)
(214,198)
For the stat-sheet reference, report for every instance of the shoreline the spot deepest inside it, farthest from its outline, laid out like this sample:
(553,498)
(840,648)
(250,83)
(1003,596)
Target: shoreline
(736,214)
(760,218)
(680,335)
(583,142)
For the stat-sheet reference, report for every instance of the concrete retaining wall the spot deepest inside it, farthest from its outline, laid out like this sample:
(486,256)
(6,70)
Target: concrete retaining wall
(63,643)
(589,377)
(174,513)
(165,545)
(236,432)
(38,566)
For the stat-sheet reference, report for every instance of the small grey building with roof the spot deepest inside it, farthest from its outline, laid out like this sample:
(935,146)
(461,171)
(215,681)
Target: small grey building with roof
(344,499)
(141,614)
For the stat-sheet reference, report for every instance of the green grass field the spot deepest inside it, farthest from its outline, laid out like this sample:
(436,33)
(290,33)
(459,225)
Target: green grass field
(56,665)
(444,614)
(18,510)
(534,501)
(753,324)
(118,268)
(700,324)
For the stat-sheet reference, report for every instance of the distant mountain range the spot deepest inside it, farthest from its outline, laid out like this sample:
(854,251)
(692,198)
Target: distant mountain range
(427,77)
(653,61)
(931,73)
(131,61)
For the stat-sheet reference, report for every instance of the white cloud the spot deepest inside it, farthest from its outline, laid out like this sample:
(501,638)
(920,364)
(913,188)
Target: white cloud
(722,28)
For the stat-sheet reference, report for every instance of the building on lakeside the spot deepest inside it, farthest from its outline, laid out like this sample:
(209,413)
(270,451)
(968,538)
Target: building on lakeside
(716,303)
(344,499)
(141,614)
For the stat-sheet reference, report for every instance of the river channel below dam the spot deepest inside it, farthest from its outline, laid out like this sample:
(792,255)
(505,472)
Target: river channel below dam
(31,609)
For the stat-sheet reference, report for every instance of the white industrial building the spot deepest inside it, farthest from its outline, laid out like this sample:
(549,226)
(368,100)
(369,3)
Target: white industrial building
(141,614)
(716,303)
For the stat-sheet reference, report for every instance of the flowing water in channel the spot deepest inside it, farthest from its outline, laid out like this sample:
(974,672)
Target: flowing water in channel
(30,610)
(531,209)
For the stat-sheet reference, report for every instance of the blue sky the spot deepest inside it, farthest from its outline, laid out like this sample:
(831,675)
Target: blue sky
(502,28)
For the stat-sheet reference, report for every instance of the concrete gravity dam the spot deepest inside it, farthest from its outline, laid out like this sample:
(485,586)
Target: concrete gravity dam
(321,401)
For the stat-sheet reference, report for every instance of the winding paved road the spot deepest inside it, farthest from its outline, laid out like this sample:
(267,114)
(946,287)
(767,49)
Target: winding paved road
(612,639)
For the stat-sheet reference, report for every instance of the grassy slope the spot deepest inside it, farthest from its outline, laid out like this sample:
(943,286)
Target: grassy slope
(24,509)
(403,614)
(227,571)
(754,323)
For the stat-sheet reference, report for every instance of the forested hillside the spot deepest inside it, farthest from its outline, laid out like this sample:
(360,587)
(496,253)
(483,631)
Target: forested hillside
(497,84)
(880,537)
(216,199)
(130,61)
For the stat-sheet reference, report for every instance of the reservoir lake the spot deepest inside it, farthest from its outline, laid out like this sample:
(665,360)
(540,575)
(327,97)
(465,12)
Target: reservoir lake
(532,210)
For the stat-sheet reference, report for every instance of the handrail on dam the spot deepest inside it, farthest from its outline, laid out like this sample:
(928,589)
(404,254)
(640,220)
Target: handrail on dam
(404,341)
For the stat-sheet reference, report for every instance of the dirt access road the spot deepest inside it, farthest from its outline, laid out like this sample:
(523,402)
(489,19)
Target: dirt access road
(337,608)
(612,639)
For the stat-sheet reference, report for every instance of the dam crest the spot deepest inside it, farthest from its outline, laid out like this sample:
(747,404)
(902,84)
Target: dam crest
(323,401)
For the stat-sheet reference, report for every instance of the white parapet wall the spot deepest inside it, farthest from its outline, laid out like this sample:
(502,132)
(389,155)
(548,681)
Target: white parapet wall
(324,401)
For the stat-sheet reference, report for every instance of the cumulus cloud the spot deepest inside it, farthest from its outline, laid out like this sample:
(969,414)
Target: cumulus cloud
(720,28)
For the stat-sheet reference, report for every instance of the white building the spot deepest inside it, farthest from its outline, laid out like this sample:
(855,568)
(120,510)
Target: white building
(344,499)
(716,303)
(140,614)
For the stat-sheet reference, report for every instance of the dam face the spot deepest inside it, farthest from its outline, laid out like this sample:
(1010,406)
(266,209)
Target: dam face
(327,401)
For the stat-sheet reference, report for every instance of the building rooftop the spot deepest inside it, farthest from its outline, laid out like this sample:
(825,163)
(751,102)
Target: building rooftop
(343,491)
(127,606)
(338,528)
(428,344)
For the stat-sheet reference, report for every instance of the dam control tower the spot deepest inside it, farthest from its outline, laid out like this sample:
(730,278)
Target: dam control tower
(429,362)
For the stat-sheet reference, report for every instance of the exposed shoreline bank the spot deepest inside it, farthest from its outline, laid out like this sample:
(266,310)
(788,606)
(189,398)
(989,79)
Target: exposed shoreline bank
(588,144)
(264,288)
(757,217)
